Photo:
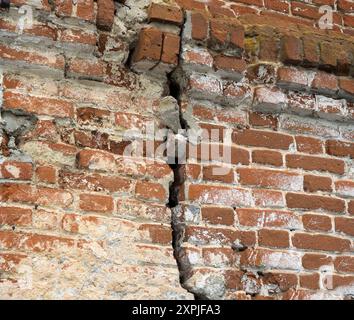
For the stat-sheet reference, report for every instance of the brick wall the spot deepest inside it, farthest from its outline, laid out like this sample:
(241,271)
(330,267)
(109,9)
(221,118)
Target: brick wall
(260,95)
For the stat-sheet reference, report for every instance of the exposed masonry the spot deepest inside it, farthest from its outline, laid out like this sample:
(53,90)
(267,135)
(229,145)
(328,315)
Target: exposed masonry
(278,226)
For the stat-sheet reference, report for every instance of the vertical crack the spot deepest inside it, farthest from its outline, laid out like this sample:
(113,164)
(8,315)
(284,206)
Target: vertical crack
(175,193)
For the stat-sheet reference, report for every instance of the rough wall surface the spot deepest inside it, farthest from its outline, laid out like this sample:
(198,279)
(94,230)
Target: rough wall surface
(262,94)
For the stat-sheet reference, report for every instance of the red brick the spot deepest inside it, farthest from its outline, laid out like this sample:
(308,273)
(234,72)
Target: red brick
(14,216)
(105,14)
(241,10)
(63,7)
(218,215)
(340,148)
(292,77)
(200,26)
(16,170)
(150,191)
(328,58)
(262,139)
(221,115)
(93,182)
(231,64)
(309,145)
(77,36)
(268,218)
(257,119)
(273,238)
(268,198)
(315,163)
(36,105)
(166,14)
(239,156)
(85,10)
(217,173)
(37,58)
(46,174)
(221,195)
(314,222)
(277,5)
(94,159)
(325,82)
(317,183)
(171,48)
(345,225)
(96,203)
(348,21)
(41,196)
(159,234)
(345,188)
(315,261)
(347,85)
(292,50)
(273,158)
(9,261)
(197,58)
(305,10)
(338,281)
(257,3)
(149,46)
(270,178)
(311,51)
(344,264)
(226,255)
(85,67)
(284,281)
(351,207)
(310,281)
(224,33)
(320,242)
(345,5)
(92,116)
(219,236)
(270,259)
(34,242)
(312,202)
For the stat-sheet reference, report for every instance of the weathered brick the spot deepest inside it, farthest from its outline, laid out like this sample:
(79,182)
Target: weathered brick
(320,242)
(218,215)
(268,218)
(273,238)
(302,201)
(344,264)
(16,170)
(15,216)
(314,222)
(292,50)
(262,139)
(315,163)
(228,196)
(344,225)
(340,148)
(309,145)
(273,158)
(24,193)
(165,13)
(270,178)
(317,183)
(105,14)
(315,261)
(217,173)
(345,188)
(310,281)
(150,191)
(96,203)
